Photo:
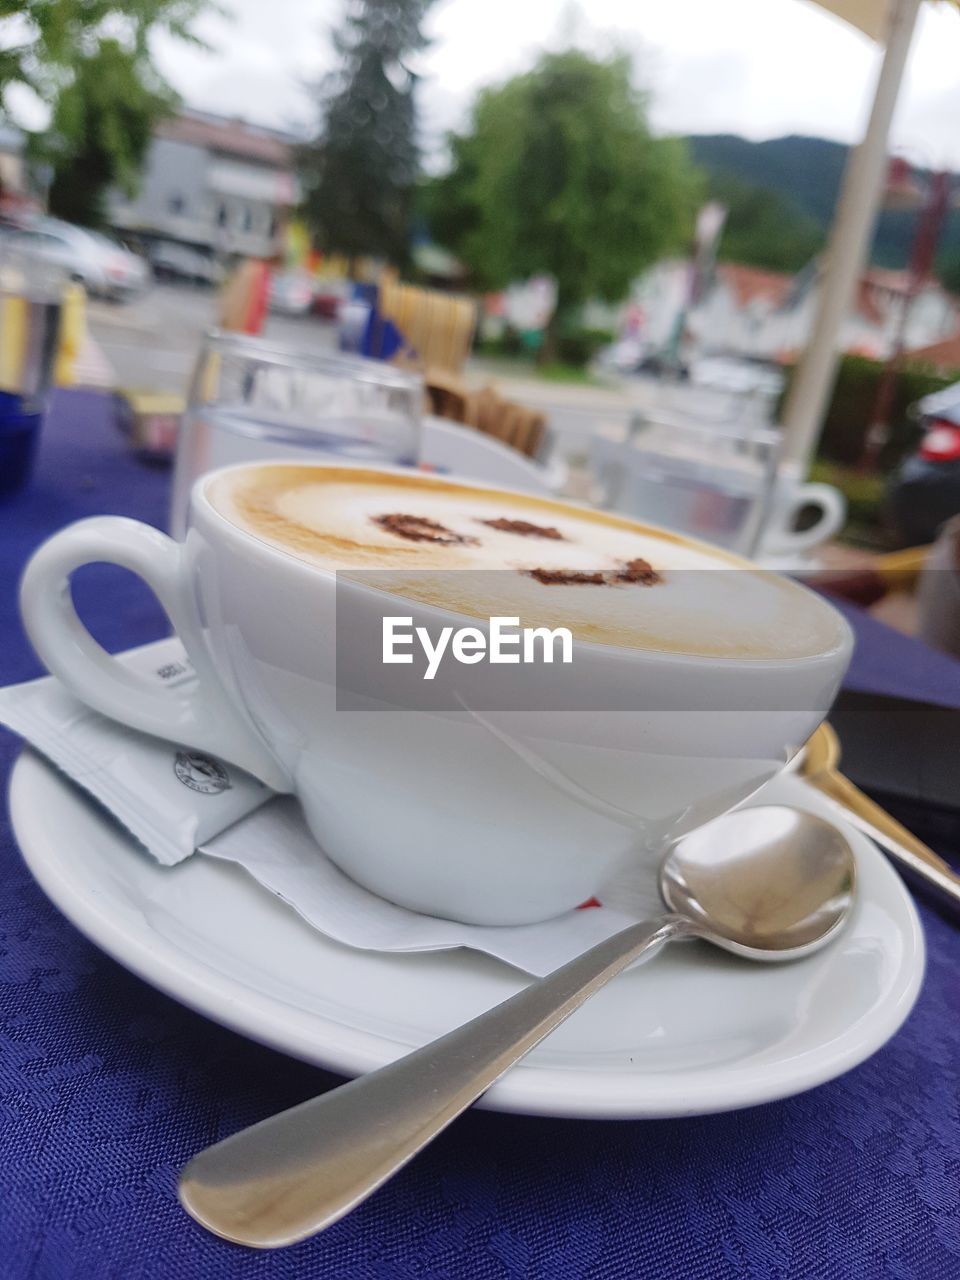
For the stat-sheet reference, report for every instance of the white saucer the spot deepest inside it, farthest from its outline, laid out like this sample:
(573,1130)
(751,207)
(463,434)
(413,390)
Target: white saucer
(695,1031)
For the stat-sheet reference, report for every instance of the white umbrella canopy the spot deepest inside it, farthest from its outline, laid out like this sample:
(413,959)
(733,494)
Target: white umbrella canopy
(893,23)
(872,17)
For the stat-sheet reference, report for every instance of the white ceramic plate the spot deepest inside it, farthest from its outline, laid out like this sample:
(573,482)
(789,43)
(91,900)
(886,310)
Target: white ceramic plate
(694,1031)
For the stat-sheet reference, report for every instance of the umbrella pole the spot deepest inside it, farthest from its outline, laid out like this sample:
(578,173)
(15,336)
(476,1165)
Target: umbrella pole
(812,383)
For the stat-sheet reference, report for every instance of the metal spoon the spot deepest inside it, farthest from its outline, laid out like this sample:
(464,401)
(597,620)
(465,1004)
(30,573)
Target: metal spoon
(767,883)
(821,757)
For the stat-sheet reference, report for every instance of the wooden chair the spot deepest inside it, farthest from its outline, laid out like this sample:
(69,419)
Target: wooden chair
(437,327)
(514,424)
(446,394)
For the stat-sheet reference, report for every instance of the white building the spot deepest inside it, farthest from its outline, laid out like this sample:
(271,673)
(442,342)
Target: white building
(767,315)
(12,145)
(216,184)
(20,192)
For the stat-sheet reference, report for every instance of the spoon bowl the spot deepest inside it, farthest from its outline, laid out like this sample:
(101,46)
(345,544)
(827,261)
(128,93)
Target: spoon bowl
(767,883)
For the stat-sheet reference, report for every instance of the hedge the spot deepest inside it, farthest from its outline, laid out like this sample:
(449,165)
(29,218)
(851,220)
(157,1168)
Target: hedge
(851,409)
(579,346)
(575,346)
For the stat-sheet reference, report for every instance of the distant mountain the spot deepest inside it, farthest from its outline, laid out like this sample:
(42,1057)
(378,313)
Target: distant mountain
(806,173)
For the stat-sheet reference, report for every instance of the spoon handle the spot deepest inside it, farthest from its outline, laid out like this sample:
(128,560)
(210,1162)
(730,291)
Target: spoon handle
(293,1174)
(907,852)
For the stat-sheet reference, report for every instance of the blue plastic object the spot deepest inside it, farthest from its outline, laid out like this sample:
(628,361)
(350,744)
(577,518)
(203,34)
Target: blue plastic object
(19,429)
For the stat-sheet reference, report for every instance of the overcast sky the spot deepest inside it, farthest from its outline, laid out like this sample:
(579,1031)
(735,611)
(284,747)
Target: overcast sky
(757,67)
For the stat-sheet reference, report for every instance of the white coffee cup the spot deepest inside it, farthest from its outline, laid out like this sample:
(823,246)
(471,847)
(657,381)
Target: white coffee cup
(477,814)
(780,540)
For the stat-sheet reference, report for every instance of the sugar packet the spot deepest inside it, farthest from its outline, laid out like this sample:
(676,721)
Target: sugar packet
(171,798)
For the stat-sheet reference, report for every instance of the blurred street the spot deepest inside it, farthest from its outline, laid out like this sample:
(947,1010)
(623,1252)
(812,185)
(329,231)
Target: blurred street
(152,342)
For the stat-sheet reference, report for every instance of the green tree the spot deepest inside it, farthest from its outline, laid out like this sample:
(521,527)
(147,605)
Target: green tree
(90,62)
(360,174)
(558,173)
(763,229)
(101,127)
(948,272)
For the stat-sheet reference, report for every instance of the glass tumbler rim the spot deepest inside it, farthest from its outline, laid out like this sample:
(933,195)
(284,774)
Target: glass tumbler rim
(357,368)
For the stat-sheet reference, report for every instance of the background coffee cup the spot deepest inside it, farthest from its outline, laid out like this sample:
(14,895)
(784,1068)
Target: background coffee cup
(724,483)
(780,540)
(481,814)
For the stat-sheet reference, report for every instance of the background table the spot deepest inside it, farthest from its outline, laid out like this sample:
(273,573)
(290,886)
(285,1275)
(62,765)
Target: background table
(107,1087)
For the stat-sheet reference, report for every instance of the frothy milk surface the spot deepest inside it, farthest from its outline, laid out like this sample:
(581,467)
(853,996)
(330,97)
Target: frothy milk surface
(511,555)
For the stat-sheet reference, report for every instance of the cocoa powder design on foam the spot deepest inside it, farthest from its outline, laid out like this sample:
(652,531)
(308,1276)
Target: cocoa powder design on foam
(566,577)
(637,571)
(422,529)
(525,528)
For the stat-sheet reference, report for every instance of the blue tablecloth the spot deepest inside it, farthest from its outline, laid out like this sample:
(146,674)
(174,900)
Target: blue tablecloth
(107,1087)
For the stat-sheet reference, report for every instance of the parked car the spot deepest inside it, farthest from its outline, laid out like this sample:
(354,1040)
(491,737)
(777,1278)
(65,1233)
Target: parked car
(171,260)
(291,293)
(103,266)
(328,296)
(925,491)
(634,355)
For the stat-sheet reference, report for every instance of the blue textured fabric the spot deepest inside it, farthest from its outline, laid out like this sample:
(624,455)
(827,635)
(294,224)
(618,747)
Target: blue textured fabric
(107,1087)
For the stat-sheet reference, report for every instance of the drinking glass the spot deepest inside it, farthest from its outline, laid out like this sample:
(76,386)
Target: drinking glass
(30,307)
(713,481)
(252,400)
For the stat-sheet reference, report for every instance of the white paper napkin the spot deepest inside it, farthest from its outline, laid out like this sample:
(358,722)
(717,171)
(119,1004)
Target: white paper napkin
(276,848)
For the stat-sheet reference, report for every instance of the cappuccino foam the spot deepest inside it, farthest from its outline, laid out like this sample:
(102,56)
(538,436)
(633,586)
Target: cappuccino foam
(609,580)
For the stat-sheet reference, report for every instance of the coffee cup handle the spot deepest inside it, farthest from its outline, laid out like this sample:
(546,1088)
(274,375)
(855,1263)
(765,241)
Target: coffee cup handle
(202,716)
(783,540)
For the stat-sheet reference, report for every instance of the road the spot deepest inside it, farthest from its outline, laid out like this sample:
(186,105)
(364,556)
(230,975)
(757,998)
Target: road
(151,344)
